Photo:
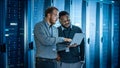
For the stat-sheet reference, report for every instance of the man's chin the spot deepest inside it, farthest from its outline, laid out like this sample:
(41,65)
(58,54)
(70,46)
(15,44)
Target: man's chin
(67,26)
(52,23)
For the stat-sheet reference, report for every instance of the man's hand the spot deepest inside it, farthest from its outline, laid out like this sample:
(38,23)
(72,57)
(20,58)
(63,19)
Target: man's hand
(73,45)
(67,39)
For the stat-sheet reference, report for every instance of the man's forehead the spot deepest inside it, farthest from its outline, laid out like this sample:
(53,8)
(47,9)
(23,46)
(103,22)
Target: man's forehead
(55,11)
(64,17)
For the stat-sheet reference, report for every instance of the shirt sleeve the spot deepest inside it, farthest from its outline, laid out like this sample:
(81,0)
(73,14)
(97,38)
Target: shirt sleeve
(42,37)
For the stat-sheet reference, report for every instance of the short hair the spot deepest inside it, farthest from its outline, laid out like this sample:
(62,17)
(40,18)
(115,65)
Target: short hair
(50,10)
(62,13)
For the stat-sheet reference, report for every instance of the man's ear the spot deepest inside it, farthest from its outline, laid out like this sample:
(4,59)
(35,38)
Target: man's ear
(48,15)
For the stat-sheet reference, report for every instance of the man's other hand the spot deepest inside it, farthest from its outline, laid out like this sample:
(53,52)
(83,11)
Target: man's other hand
(73,45)
(67,39)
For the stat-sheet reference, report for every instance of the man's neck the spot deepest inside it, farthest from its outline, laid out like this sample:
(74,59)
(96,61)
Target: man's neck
(65,27)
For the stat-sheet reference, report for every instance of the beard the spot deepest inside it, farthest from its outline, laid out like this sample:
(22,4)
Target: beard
(52,21)
(66,25)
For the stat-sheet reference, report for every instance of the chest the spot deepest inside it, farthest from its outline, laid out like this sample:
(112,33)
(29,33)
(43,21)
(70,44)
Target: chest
(66,33)
(51,32)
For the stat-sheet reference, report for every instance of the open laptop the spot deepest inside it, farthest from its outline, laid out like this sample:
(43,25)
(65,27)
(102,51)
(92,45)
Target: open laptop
(77,39)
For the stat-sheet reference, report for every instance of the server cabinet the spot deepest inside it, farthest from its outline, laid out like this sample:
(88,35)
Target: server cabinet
(106,40)
(97,37)
(115,35)
(83,24)
(67,5)
(75,12)
(2,26)
(90,33)
(13,37)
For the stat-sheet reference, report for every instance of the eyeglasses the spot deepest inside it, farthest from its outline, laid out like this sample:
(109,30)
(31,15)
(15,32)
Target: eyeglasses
(54,14)
(65,20)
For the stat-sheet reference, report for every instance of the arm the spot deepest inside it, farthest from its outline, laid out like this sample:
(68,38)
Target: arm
(41,36)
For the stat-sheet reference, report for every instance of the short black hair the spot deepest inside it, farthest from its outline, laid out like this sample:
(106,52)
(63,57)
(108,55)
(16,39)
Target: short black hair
(50,10)
(62,13)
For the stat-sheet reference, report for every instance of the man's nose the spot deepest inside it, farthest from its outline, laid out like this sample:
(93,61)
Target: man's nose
(67,22)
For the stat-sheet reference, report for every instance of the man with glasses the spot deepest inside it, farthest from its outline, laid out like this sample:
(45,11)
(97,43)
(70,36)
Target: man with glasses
(46,38)
(70,56)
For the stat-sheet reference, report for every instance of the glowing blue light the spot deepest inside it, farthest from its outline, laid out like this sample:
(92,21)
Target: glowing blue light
(6,29)
(6,35)
(13,24)
(113,1)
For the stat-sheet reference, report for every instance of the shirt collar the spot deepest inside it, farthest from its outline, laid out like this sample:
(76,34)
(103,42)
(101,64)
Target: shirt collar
(47,24)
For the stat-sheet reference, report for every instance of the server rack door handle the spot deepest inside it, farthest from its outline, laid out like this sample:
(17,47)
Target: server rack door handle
(88,40)
(101,39)
(3,48)
(0,48)
(31,45)
(113,39)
